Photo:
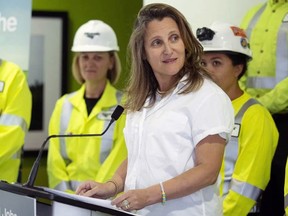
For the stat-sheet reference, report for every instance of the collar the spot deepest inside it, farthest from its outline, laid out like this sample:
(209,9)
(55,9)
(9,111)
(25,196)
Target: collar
(107,99)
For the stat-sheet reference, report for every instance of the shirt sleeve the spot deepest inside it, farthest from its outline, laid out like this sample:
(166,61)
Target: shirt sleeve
(215,115)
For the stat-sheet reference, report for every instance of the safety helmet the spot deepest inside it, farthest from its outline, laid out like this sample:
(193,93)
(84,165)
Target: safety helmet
(224,37)
(95,36)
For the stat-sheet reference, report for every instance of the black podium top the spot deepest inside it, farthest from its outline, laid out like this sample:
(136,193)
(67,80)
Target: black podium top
(58,196)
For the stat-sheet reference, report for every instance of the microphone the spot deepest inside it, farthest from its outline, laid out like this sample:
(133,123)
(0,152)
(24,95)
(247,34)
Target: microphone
(34,170)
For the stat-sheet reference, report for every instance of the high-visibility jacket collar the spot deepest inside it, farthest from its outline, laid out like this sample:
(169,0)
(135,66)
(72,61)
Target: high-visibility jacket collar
(107,99)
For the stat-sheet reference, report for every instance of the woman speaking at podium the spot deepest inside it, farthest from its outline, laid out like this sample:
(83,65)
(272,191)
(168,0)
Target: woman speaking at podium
(178,123)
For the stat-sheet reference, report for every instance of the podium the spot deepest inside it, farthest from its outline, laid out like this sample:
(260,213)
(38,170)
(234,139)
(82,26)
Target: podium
(19,200)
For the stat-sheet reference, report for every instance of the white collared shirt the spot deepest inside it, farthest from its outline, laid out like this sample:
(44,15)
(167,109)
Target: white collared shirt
(161,141)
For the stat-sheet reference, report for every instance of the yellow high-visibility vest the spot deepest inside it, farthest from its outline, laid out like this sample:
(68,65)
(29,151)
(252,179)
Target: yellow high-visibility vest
(73,160)
(247,156)
(15,117)
(266,79)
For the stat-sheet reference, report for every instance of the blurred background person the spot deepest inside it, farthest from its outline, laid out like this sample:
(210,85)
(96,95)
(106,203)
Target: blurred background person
(266,79)
(15,117)
(96,67)
(248,156)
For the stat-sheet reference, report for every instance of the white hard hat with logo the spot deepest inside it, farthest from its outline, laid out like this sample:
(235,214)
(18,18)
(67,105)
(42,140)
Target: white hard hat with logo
(224,37)
(95,36)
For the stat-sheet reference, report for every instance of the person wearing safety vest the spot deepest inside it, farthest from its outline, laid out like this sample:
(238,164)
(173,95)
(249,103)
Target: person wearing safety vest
(266,79)
(248,156)
(15,117)
(96,66)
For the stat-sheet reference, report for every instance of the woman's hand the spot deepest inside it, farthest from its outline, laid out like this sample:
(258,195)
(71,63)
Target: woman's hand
(105,190)
(136,199)
(96,190)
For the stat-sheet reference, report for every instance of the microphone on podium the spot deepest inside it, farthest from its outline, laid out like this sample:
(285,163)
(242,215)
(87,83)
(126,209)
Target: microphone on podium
(34,170)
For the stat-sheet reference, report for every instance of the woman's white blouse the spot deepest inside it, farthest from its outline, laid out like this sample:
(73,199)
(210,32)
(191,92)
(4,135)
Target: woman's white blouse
(161,143)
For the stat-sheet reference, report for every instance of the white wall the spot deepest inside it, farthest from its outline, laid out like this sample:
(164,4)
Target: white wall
(201,13)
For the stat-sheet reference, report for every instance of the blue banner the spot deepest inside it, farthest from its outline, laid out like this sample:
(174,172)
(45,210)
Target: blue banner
(15,31)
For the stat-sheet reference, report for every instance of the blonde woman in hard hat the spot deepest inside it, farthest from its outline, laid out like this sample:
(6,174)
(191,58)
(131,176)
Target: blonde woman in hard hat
(248,156)
(96,67)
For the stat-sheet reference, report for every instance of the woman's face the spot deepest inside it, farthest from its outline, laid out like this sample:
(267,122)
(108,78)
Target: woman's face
(221,69)
(95,65)
(164,48)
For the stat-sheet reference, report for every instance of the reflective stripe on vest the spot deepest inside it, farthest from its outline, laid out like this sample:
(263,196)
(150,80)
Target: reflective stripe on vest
(281,56)
(13,120)
(63,186)
(18,154)
(254,20)
(231,155)
(64,120)
(68,185)
(245,189)
(106,144)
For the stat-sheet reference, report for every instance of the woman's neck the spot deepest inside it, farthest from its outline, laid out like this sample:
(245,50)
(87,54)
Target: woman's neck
(93,90)
(234,93)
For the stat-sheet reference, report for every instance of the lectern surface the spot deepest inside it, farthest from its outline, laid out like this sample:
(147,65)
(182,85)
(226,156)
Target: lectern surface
(76,200)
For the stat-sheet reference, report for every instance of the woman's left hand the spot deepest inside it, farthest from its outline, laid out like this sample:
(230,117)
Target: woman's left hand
(132,200)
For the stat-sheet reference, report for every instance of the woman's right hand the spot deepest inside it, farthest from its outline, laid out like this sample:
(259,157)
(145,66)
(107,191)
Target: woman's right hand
(96,190)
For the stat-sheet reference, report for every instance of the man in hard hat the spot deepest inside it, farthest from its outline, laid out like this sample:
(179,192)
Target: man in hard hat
(248,156)
(96,67)
(15,117)
(267,80)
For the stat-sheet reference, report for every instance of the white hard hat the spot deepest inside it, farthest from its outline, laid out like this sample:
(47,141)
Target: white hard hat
(224,37)
(95,36)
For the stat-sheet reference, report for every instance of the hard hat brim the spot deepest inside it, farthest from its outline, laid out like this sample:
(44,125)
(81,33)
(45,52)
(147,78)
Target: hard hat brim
(93,48)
